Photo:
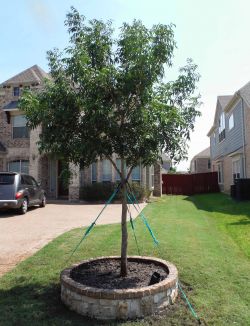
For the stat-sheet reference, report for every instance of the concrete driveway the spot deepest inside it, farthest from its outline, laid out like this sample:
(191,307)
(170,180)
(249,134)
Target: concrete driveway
(23,235)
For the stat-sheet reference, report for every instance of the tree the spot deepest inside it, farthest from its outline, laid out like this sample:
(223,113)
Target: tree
(107,95)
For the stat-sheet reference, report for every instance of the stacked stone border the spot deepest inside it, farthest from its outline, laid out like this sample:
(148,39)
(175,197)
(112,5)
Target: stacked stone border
(106,304)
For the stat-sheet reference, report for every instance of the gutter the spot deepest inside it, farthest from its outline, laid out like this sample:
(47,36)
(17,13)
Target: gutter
(243,137)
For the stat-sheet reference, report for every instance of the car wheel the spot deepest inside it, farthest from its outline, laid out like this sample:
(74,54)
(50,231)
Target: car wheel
(24,207)
(43,201)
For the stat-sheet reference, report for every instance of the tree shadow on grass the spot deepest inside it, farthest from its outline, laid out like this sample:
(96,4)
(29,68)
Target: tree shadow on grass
(34,304)
(222,203)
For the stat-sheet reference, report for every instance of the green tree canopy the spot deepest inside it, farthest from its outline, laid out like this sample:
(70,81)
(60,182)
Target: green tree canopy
(108,95)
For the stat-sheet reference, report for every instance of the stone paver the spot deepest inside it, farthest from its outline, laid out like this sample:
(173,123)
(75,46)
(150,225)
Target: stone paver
(23,235)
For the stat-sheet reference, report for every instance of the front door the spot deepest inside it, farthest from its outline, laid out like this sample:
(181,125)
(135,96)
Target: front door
(62,183)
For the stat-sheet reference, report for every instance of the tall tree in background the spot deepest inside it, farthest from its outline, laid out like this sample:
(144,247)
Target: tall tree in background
(107,95)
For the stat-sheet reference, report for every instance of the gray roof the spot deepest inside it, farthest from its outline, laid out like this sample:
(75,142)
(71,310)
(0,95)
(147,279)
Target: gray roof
(2,148)
(31,75)
(245,93)
(11,106)
(205,153)
(224,100)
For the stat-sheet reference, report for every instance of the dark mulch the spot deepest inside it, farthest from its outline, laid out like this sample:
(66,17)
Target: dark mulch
(106,274)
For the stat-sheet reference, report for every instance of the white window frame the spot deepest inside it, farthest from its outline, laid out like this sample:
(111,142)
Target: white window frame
(231,118)
(20,166)
(152,170)
(104,178)
(222,127)
(93,180)
(236,169)
(135,178)
(13,119)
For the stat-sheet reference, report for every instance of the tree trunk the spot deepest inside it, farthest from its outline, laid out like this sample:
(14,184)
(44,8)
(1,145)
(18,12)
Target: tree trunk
(124,244)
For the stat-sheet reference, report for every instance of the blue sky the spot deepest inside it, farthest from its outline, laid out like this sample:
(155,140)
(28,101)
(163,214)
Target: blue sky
(215,34)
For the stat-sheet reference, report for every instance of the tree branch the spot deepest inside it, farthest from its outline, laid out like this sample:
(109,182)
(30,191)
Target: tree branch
(115,166)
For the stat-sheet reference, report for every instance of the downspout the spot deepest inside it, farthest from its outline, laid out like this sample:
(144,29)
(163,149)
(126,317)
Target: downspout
(243,138)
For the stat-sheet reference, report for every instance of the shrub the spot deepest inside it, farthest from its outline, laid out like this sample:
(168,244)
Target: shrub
(101,191)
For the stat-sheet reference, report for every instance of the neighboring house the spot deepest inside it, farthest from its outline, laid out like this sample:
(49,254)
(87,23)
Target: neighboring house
(230,137)
(19,151)
(201,162)
(166,164)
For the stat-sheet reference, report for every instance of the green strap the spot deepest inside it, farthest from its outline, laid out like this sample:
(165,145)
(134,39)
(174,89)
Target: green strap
(188,303)
(93,223)
(133,228)
(144,219)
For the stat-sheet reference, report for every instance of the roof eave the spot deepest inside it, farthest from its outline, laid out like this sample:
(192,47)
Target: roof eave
(211,130)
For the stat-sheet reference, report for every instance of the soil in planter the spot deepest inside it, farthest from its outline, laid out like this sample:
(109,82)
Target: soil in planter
(105,274)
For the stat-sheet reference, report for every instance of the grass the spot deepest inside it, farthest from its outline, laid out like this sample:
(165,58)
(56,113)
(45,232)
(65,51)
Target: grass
(206,236)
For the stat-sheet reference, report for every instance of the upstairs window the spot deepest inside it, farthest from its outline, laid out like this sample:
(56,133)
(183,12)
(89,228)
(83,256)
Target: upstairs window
(209,164)
(20,129)
(231,122)
(222,133)
(16,91)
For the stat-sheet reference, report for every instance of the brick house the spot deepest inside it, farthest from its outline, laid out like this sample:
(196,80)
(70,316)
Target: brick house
(201,162)
(19,151)
(230,137)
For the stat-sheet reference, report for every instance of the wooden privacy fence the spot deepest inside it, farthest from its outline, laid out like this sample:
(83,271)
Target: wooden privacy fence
(190,184)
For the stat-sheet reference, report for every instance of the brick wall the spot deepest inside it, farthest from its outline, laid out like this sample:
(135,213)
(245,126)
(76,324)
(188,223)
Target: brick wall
(202,165)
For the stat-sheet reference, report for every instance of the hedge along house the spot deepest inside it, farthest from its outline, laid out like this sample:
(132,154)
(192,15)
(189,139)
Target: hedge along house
(19,150)
(230,138)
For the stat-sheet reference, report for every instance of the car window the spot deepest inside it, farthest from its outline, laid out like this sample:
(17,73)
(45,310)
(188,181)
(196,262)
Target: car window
(27,180)
(23,182)
(7,179)
(34,183)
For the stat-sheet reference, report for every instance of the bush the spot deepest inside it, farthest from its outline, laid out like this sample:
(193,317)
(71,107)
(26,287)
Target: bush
(101,191)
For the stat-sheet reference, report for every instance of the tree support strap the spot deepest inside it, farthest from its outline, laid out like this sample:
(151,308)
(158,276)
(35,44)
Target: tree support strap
(133,229)
(94,223)
(132,200)
(189,304)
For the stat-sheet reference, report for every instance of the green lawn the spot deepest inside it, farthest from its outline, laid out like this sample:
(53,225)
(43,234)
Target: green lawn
(207,237)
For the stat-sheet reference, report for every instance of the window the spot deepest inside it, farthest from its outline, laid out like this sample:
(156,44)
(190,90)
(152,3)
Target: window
(220,175)
(21,166)
(152,176)
(136,173)
(7,179)
(236,170)
(222,133)
(214,138)
(94,172)
(231,122)
(209,164)
(20,129)
(106,170)
(16,91)
(118,164)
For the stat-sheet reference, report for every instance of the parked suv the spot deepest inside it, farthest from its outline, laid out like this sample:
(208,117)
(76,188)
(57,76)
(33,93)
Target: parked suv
(20,191)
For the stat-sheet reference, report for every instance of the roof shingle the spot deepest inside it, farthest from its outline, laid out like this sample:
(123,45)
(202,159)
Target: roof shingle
(34,74)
